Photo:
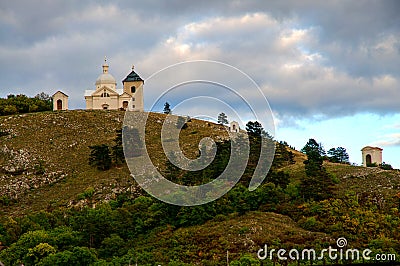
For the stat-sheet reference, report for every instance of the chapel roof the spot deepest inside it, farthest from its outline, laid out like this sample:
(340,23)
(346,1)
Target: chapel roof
(371,148)
(133,76)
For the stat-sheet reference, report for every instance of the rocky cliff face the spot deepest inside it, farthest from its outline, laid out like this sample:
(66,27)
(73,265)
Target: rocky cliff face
(21,172)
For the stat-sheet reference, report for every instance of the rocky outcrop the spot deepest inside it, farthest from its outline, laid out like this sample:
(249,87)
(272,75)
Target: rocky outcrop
(21,172)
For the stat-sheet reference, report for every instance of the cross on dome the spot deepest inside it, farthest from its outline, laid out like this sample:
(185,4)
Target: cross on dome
(105,66)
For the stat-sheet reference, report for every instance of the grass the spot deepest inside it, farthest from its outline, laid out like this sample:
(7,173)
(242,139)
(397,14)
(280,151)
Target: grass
(60,141)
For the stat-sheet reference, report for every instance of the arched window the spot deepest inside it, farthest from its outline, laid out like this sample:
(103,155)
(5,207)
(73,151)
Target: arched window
(125,104)
(133,89)
(105,94)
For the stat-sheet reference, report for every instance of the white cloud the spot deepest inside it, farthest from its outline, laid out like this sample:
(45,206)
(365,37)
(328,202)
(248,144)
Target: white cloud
(388,140)
(298,79)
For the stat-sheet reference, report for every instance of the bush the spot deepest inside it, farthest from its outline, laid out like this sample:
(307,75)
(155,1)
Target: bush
(386,166)
(87,194)
(5,200)
(311,224)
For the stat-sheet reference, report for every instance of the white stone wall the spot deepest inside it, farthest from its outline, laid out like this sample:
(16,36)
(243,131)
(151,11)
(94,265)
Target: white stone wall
(374,152)
(234,127)
(137,97)
(64,99)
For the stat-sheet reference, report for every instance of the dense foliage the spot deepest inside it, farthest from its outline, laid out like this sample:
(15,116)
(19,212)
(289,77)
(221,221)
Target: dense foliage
(22,104)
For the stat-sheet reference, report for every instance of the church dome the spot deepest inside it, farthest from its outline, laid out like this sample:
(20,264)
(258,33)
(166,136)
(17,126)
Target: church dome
(105,78)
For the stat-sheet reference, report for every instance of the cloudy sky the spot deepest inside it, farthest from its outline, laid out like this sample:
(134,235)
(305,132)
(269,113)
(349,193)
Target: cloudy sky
(329,69)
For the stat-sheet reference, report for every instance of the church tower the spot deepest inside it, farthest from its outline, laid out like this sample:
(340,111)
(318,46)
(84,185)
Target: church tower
(133,85)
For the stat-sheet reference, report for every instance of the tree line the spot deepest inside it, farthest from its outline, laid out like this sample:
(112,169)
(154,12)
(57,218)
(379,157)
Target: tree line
(18,104)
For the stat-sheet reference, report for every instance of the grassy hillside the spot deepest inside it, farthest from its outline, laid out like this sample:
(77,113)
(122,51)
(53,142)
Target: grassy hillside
(209,242)
(57,142)
(48,188)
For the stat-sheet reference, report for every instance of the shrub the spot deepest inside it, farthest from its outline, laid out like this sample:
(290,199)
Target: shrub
(386,166)
(87,194)
(100,156)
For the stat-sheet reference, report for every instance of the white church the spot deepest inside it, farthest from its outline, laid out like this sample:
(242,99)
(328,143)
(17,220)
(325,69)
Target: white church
(106,95)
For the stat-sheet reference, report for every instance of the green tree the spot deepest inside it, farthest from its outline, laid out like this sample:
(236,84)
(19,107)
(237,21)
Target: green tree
(283,156)
(100,157)
(222,119)
(167,108)
(317,184)
(314,152)
(78,256)
(338,155)
(10,110)
(279,178)
(117,151)
(112,246)
(23,104)
(39,252)
(19,250)
(43,96)
(255,129)
(313,146)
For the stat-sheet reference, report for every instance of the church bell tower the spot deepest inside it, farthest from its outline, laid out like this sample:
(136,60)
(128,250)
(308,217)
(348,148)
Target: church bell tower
(133,85)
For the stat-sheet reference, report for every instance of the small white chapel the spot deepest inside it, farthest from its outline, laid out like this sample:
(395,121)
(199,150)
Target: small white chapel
(106,95)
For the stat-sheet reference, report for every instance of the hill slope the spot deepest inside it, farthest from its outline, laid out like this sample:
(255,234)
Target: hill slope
(44,166)
(56,143)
